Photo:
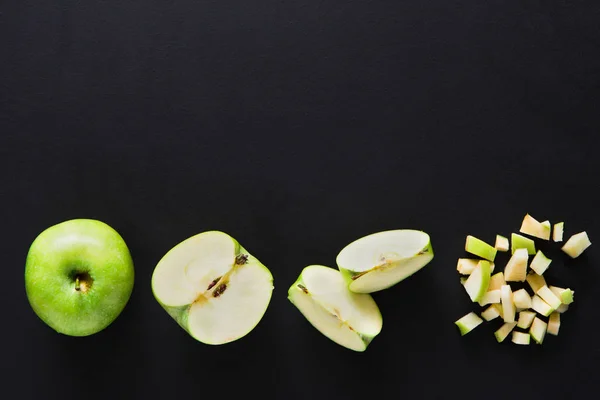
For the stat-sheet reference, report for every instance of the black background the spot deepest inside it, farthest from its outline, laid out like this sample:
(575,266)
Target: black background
(297,127)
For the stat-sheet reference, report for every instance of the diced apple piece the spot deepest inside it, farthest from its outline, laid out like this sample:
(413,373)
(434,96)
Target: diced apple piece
(508,307)
(516,268)
(501,243)
(490,297)
(532,227)
(498,307)
(468,322)
(550,298)
(520,337)
(521,242)
(554,323)
(522,299)
(496,281)
(490,313)
(540,306)
(525,319)
(535,281)
(562,309)
(504,331)
(566,296)
(557,232)
(538,330)
(577,244)
(480,248)
(540,263)
(466,265)
(477,283)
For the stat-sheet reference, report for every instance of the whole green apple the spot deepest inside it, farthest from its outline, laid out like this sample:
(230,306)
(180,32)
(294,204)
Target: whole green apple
(79,276)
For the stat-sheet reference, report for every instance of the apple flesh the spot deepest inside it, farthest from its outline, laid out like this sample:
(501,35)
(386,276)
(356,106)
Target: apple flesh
(553,324)
(496,281)
(349,319)
(540,306)
(521,242)
(214,288)
(490,297)
(508,307)
(540,263)
(381,260)
(504,331)
(525,319)
(465,266)
(480,248)
(566,296)
(535,281)
(557,232)
(550,298)
(490,313)
(532,227)
(516,268)
(577,244)
(520,338)
(79,276)
(468,322)
(501,243)
(522,299)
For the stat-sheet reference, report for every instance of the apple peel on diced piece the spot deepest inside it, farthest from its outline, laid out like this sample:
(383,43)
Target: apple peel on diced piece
(349,319)
(480,248)
(532,227)
(566,296)
(557,231)
(213,287)
(501,243)
(381,260)
(540,263)
(549,297)
(508,307)
(468,322)
(504,331)
(478,282)
(516,268)
(521,242)
(538,330)
(540,306)
(525,319)
(520,338)
(554,324)
(576,244)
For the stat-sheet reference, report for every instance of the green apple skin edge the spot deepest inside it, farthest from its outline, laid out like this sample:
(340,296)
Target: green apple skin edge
(212,287)
(381,260)
(321,294)
(79,276)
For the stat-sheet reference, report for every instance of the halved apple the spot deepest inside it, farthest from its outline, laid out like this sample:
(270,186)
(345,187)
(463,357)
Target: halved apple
(349,319)
(213,287)
(381,260)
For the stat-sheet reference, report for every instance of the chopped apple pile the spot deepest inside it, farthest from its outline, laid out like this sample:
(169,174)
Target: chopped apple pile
(519,295)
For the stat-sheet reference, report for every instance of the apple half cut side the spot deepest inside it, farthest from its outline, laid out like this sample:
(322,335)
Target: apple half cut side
(381,260)
(349,319)
(213,287)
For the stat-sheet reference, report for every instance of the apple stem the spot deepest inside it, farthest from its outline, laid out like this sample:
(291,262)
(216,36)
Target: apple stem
(77,284)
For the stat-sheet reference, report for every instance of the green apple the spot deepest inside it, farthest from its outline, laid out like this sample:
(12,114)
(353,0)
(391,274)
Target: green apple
(566,296)
(540,263)
(213,287)
(381,260)
(504,331)
(540,306)
(478,282)
(79,276)
(532,227)
(467,323)
(549,297)
(522,242)
(480,248)
(538,330)
(349,319)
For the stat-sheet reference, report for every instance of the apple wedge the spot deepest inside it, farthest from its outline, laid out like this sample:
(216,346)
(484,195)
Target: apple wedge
(540,263)
(381,260)
(516,268)
(477,283)
(349,319)
(557,231)
(480,248)
(213,287)
(501,243)
(508,306)
(577,244)
(532,227)
(521,242)
(468,322)
(538,330)
(504,331)
(525,319)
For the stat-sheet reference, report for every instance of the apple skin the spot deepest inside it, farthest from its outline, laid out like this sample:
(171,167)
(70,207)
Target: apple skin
(74,248)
